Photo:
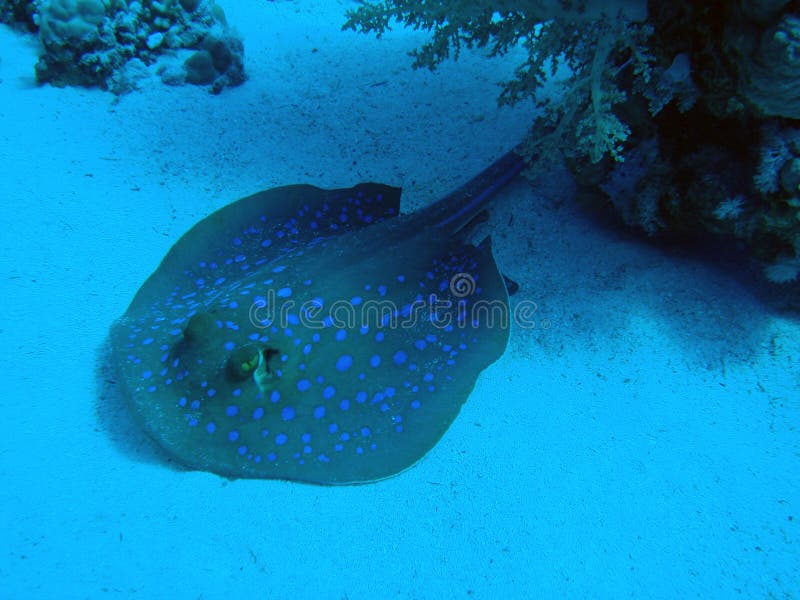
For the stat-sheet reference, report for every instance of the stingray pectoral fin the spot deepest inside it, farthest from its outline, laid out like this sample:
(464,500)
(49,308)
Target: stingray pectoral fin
(374,341)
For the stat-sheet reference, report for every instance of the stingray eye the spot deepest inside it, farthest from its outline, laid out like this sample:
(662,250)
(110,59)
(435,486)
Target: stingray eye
(243,362)
(200,328)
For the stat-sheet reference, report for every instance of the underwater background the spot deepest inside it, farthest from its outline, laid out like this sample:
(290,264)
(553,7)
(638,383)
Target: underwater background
(640,440)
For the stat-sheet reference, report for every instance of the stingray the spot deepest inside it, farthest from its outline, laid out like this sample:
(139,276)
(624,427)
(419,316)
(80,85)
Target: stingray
(315,335)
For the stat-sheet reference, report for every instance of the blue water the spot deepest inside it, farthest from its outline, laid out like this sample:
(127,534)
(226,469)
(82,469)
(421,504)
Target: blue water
(639,440)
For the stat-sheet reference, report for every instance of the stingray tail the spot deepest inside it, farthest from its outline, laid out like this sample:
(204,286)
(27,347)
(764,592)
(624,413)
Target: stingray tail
(458,208)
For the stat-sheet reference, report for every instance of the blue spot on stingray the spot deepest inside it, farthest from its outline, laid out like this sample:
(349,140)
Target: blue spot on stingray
(361,397)
(232,410)
(211,427)
(281,439)
(341,335)
(284,292)
(303,385)
(420,344)
(379,336)
(319,412)
(275,396)
(328,392)
(374,360)
(399,357)
(287,413)
(233,435)
(258,413)
(333,428)
(344,362)
(344,404)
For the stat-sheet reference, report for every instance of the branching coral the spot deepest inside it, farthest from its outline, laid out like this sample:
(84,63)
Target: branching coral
(596,42)
(685,115)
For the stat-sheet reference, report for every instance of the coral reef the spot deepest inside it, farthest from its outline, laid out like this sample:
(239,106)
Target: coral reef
(111,43)
(20,13)
(684,117)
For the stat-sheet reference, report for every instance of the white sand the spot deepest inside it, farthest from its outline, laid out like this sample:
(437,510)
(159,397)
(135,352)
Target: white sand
(645,444)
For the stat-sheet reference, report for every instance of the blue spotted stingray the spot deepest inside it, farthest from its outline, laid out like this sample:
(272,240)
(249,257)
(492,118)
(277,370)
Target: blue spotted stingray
(315,335)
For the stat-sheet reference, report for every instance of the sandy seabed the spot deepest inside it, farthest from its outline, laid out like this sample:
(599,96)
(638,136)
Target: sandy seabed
(641,441)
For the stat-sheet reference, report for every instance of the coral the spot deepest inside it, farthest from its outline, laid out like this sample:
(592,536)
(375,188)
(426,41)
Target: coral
(630,187)
(20,13)
(771,74)
(775,152)
(79,47)
(200,68)
(684,116)
(107,43)
(598,42)
(730,209)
